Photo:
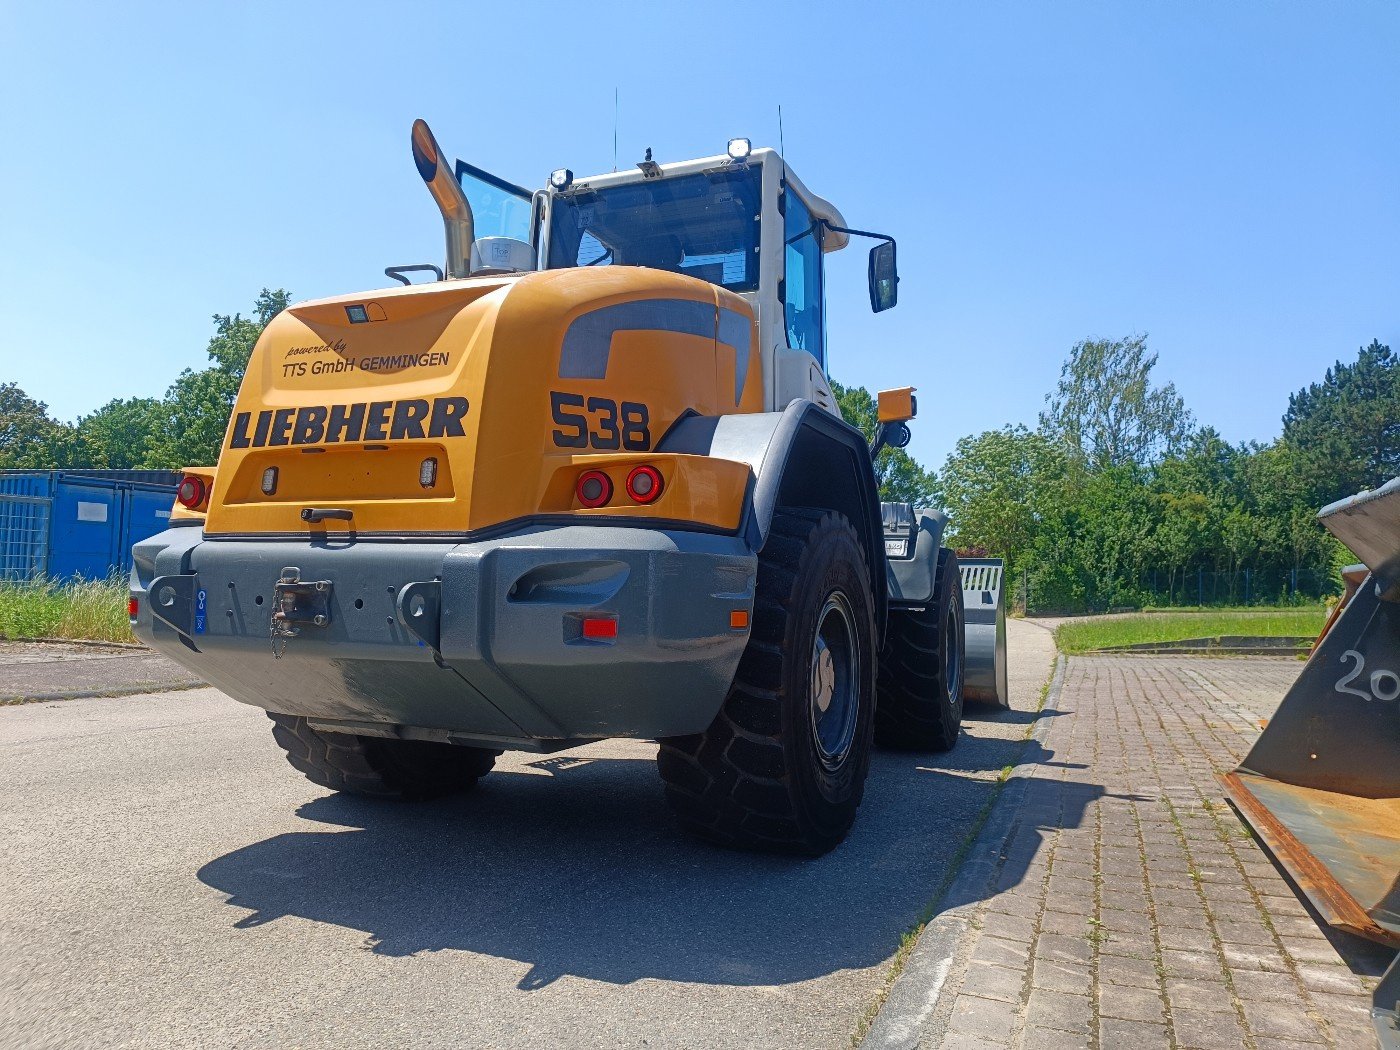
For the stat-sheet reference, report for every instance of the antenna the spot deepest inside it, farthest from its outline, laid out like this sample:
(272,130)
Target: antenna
(614,129)
(781,148)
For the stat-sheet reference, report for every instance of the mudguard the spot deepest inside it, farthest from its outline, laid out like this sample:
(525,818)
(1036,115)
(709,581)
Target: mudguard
(912,540)
(802,456)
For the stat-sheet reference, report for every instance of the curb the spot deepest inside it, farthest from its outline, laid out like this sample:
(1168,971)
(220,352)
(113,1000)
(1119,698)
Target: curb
(90,642)
(914,996)
(93,694)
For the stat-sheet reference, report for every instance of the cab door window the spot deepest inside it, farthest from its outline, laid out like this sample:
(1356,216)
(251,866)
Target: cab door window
(803,307)
(499,208)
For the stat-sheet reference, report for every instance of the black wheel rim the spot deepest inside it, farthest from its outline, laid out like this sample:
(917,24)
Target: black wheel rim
(833,690)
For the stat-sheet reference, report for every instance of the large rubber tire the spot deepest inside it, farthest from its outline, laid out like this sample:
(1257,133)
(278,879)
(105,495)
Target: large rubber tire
(412,770)
(776,769)
(921,670)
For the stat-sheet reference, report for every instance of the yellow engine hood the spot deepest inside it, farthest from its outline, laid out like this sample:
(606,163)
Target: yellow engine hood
(512,385)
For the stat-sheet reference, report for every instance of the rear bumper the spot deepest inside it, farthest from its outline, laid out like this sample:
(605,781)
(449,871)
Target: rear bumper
(478,642)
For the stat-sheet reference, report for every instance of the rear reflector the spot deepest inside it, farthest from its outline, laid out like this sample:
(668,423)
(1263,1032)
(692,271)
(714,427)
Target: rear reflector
(594,488)
(739,619)
(132,607)
(599,627)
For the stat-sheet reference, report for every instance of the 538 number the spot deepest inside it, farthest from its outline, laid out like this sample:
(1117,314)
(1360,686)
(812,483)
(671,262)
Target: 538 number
(599,422)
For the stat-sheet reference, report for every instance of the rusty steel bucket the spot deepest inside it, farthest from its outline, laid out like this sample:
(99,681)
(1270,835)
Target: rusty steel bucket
(1321,786)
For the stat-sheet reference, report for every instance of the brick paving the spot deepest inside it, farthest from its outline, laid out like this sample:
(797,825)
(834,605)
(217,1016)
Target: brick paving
(1131,907)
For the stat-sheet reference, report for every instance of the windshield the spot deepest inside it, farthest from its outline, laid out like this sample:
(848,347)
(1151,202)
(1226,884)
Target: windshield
(705,226)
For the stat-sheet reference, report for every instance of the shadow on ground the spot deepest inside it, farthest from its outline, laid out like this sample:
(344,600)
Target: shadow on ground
(583,872)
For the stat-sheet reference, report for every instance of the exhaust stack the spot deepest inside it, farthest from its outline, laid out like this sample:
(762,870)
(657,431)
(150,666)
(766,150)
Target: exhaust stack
(451,201)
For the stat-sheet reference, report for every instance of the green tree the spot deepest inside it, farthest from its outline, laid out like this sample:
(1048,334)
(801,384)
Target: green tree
(1107,410)
(198,404)
(121,435)
(1346,429)
(997,487)
(901,478)
(1111,536)
(29,436)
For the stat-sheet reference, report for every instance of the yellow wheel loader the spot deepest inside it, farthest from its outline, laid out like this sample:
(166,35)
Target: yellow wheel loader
(590,481)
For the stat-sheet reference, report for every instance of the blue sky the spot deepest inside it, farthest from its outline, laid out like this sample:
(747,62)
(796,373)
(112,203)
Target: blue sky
(1222,176)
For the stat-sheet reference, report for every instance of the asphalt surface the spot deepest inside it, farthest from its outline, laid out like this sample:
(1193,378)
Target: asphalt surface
(170,880)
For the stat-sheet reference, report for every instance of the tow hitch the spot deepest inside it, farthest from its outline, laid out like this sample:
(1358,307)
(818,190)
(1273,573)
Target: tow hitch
(297,603)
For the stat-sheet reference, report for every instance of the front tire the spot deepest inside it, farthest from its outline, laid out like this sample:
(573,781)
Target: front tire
(921,669)
(413,770)
(783,765)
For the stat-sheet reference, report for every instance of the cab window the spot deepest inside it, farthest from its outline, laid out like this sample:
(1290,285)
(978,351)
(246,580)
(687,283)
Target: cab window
(803,308)
(704,226)
(499,208)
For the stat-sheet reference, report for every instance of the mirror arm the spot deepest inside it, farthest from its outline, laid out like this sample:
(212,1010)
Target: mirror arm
(858,233)
(888,435)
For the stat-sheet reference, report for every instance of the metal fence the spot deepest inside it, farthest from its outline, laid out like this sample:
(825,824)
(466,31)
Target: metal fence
(1032,590)
(24,537)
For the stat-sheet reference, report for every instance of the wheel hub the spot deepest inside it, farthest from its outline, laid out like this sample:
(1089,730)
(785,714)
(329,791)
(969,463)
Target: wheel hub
(834,696)
(823,677)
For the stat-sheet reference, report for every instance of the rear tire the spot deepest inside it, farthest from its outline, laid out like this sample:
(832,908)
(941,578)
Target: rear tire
(365,765)
(921,669)
(783,765)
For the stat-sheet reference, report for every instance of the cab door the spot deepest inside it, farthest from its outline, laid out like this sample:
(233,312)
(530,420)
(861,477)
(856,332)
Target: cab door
(802,361)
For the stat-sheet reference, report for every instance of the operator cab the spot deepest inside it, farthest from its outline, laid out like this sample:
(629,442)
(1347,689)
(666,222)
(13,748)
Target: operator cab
(742,221)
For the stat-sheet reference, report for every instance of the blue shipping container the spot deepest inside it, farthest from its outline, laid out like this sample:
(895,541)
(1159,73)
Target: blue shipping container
(67,523)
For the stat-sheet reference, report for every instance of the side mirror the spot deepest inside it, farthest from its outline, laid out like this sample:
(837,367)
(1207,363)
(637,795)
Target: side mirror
(884,277)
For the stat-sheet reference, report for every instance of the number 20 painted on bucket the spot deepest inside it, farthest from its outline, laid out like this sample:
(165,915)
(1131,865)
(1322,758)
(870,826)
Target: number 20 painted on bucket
(1385,685)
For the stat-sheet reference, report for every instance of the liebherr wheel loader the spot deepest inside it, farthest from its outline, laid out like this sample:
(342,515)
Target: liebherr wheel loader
(589,482)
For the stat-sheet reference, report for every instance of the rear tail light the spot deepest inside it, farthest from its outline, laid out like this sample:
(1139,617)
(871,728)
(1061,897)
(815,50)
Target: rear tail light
(269,481)
(594,488)
(191,492)
(644,484)
(133,606)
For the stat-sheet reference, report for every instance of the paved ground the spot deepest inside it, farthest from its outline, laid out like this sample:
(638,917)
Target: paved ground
(1127,906)
(57,669)
(169,880)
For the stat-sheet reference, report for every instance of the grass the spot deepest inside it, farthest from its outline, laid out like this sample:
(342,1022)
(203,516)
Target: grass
(83,609)
(1078,636)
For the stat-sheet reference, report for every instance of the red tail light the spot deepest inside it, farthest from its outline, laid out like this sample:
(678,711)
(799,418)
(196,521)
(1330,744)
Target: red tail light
(594,488)
(599,627)
(132,608)
(644,484)
(191,492)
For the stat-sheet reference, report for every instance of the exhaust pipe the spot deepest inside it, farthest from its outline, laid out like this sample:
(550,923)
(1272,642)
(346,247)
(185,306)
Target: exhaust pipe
(451,201)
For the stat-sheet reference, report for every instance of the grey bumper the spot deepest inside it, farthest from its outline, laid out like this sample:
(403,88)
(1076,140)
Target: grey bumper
(479,642)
